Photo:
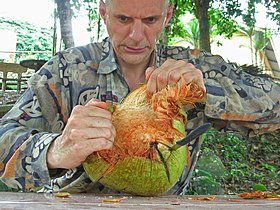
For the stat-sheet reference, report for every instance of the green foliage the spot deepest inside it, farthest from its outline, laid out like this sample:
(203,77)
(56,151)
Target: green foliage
(261,39)
(95,26)
(220,24)
(247,163)
(190,34)
(273,12)
(249,17)
(209,175)
(259,187)
(4,188)
(29,38)
(176,27)
(222,16)
(229,9)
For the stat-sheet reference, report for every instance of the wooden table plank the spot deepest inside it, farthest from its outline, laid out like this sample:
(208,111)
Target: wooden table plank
(32,201)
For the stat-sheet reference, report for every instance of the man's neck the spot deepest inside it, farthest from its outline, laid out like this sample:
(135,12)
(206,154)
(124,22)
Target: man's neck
(134,75)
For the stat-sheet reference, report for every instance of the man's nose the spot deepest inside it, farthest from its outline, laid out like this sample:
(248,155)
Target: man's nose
(137,30)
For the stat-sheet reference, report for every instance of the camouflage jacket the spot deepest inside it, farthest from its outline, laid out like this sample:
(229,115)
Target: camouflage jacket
(235,101)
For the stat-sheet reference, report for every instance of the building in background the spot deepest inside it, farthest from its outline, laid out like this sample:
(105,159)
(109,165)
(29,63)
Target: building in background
(8,45)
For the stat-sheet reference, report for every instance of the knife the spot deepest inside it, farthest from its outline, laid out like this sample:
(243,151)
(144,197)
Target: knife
(193,135)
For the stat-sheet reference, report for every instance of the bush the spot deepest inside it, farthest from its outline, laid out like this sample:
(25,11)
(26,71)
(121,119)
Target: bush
(232,164)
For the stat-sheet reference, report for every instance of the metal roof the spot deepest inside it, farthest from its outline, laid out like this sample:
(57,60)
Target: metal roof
(273,58)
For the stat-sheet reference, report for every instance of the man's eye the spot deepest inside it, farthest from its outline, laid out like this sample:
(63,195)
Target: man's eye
(123,18)
(150,20)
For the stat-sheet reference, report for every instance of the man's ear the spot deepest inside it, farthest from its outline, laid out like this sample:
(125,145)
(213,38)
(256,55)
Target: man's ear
(102,10)
(169,14)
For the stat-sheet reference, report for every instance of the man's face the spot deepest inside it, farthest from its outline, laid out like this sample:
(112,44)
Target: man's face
(134,26)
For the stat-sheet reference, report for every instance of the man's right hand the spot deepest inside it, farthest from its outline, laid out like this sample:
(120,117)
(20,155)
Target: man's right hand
(89,129)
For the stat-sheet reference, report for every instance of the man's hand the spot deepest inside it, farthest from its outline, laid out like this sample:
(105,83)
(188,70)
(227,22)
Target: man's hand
(171,72)
(89,129)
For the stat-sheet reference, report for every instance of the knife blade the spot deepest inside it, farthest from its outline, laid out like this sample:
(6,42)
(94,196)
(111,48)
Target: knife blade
(193,135)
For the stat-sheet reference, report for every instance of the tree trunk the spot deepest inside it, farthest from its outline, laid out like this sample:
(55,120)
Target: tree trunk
(54,32)
(65,15)
(201,13)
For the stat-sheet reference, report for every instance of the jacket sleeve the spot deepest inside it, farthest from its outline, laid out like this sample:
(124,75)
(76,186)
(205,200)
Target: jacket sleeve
(27,130)
(244,103)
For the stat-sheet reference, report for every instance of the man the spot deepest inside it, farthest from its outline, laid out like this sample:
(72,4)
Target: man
(62,117)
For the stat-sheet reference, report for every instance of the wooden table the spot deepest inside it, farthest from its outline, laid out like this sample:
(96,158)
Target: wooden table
(19,201)
(15,68)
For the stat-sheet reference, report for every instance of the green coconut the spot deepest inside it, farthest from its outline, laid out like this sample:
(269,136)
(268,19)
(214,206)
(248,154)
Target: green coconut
(141,161)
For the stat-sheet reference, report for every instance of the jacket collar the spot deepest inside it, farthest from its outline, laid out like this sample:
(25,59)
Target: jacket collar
(108,62)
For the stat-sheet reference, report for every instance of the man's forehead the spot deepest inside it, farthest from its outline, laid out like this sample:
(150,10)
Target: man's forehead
(148,6)
(166,2)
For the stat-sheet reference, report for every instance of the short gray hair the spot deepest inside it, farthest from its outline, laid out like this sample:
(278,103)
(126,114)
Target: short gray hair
(107,2)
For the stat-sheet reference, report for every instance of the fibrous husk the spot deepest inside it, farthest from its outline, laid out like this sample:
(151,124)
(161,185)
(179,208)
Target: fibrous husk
(141,161)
